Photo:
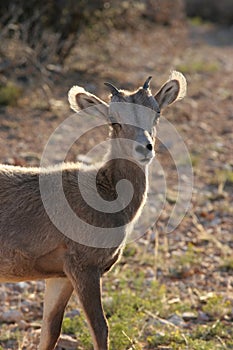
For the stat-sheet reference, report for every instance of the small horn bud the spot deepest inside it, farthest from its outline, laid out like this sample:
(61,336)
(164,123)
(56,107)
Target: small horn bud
(147,83)
(112,88)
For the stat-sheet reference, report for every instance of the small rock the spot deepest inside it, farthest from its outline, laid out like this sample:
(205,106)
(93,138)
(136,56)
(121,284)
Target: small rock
(202,316)
(3,295)
(72,313)
(54,68)
(171,197)
(173,301)
(40,286)
(9,160)
(160,334)
(150,273)
(36,326)
(30,156)
(176,320)
(189,316)
(152,237)
(66,342)
(21,286)
(108,301)
(11,316)
(215,221)
(23,325)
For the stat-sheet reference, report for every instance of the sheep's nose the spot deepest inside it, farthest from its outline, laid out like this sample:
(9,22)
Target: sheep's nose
(144,149)
(149,146)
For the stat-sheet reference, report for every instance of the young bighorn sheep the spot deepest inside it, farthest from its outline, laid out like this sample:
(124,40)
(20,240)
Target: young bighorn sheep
(32,246)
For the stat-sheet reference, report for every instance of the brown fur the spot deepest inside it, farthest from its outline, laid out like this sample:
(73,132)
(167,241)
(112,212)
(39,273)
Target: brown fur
(31,247)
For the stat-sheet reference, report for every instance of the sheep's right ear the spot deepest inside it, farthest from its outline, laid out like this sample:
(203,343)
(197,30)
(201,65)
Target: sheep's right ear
(80,99)
(173,90)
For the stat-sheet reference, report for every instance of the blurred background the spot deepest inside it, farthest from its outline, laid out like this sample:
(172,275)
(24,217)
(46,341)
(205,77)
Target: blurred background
(178,287)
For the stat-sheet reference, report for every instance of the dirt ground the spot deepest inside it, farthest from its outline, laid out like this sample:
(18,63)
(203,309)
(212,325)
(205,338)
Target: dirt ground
(204,119)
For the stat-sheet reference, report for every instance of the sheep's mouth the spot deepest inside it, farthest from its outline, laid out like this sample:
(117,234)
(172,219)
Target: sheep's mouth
(145,160)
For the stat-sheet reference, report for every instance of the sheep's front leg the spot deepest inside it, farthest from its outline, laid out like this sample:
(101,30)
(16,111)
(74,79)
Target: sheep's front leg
(57,294)
(87,285)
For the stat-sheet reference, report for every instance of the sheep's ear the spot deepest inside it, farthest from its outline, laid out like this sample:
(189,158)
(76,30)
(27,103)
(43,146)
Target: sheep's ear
(174,89)
(80,99)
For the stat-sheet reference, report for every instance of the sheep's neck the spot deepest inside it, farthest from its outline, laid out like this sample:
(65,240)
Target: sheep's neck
(108,175)
(111,173)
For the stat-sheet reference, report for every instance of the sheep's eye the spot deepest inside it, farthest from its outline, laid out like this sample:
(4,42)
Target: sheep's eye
(156,119)
(117,126)
(153,132)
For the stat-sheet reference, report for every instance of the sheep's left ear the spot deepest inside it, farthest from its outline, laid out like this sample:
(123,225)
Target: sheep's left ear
(81,99)
(174,89)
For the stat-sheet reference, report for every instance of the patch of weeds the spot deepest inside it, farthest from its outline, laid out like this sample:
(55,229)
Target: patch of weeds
(186,263)
(199,66)
(189,257)
(179,308)
(213,333)
(130,251)
(172,338)
(6,334)
(9,94)
(127,308)
(126,302)
(124,306)
(77,326)
(195,159)
(199,344)
(122,336)
(215,336)
(217,307)
(197,21)
(9,339)
(222,176)
(41,104)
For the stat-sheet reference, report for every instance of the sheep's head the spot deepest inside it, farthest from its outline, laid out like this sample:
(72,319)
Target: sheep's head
(132,116)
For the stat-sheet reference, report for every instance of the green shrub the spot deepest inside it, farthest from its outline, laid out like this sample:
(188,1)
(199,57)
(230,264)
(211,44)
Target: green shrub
(9,94)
